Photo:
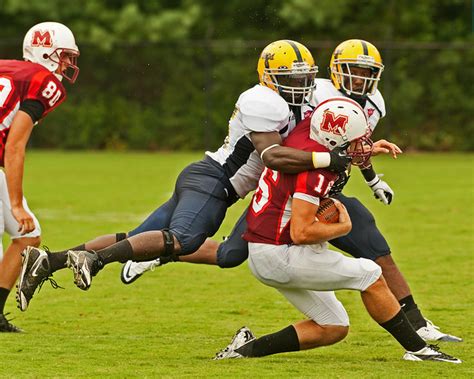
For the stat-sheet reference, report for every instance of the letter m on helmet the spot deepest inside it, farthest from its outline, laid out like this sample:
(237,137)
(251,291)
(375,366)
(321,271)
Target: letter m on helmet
(334,124)
(42,39)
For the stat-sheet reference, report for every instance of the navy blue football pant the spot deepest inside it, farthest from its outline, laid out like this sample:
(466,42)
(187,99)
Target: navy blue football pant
(197,207)
(364,240)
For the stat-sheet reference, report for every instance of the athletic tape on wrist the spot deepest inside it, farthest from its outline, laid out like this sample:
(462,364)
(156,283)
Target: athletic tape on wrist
(314,159)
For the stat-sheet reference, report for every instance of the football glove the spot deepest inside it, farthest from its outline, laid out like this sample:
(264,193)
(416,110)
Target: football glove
(382,190)
(339,159)
(339,184)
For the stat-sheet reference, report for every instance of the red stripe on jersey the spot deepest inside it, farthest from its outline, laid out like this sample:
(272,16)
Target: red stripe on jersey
(35,84)
(283,222)
(47,89)
(301,181)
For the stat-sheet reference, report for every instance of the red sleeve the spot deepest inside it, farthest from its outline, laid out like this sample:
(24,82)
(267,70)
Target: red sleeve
(47,89)
(315,183)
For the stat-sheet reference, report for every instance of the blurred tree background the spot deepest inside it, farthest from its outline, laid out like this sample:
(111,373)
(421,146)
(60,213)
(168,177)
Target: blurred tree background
(164,75)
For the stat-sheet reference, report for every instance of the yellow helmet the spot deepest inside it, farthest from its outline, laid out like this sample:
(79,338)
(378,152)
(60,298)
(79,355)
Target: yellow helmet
(288,68)
(355,53)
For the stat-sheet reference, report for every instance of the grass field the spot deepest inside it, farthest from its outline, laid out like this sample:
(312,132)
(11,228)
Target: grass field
(171,322)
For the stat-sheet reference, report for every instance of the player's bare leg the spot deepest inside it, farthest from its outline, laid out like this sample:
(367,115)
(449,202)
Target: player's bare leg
(381,305)
(302,335)
(380,302)
(399,287)
(141,247)
(207,254)
(311,334)
(394,278)
(100,243)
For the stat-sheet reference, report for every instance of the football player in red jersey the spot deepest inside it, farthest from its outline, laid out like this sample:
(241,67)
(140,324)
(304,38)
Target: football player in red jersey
(288,248)
(29,90)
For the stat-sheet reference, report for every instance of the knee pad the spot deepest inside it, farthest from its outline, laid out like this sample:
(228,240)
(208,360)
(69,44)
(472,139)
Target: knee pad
(168,240)
(120,237)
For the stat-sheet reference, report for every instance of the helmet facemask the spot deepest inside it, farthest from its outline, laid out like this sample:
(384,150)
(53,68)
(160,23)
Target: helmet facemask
(360,150)
(342,71)
(66,59)
(295,84)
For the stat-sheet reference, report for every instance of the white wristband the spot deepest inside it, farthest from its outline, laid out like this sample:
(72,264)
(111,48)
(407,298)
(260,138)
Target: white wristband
(374,181)
(321,160)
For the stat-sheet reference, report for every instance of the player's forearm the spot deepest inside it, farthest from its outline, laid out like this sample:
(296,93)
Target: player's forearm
(291,161)
(14,167)
(368,172)
(318,232)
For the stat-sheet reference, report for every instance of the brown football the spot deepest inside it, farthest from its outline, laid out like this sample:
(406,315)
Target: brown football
(327,211)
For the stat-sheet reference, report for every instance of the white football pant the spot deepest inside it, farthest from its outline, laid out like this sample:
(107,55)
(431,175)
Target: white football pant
(308,277)
(7,221)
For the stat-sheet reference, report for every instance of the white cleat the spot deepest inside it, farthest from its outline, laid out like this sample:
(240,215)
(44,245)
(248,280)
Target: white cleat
(241,337)
(131,270)
(431,332)
(430,353)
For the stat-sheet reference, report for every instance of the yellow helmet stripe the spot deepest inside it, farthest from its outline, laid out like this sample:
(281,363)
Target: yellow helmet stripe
(297,50)
(364,47)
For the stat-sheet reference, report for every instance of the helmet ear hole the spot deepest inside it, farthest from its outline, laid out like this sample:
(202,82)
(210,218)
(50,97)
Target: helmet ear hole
(45,56)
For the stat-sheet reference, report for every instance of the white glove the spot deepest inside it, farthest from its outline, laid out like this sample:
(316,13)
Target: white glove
(382,190)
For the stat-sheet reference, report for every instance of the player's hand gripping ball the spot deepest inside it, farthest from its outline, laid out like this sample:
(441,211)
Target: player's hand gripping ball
(327,211)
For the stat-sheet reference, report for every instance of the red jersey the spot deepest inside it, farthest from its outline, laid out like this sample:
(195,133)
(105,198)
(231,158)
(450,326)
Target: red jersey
(20,81)
(268,217)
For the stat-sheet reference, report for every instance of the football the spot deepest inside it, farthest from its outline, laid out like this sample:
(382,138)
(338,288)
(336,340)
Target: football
(327,211)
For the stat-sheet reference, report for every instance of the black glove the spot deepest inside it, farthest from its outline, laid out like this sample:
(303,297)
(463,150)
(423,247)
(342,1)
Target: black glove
(339,159)
(339,184)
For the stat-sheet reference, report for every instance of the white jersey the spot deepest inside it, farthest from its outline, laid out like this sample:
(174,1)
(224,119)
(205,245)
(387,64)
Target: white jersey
(259,109)
(374,107)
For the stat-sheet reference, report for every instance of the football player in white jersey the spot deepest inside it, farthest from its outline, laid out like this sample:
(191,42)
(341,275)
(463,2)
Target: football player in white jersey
(204,190)
(355,69)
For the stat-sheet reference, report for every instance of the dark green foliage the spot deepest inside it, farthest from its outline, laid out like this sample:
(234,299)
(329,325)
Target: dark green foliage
(166,74)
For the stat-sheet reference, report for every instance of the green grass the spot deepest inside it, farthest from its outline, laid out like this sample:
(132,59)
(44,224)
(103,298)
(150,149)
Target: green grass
(172,321)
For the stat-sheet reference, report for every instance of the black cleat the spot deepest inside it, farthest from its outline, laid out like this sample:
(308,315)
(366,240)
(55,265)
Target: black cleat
(35,271)
(6,326)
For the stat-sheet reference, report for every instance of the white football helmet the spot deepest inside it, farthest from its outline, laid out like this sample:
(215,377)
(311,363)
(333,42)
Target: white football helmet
(341,121)
(52,45)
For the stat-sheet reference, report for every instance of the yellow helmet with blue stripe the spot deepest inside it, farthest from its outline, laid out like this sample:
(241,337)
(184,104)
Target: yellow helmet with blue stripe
(355,53)
(288,68)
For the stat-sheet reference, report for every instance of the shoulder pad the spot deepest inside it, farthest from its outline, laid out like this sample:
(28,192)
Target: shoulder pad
(262,102)
(324,90)
(377,100)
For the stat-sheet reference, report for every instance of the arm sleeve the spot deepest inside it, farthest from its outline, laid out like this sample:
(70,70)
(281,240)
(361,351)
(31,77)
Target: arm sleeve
(33,108)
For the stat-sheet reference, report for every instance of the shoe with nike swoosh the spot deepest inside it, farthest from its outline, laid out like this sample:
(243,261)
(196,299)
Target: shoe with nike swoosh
(84,264)
(131,270)
(35,270)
